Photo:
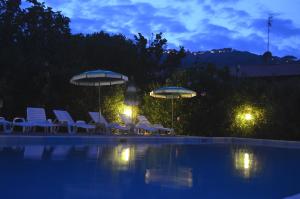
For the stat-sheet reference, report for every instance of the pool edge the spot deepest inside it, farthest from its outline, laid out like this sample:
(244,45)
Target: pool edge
(37,139)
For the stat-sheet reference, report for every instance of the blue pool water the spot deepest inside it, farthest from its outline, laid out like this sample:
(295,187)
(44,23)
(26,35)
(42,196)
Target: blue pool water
(116,171)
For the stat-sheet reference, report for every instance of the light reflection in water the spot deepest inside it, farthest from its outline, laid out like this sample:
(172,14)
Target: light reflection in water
(123,157)
(245,162)
(176,178)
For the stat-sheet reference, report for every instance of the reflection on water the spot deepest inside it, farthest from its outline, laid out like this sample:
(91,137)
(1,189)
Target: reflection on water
(121,171)
(33,152)
(176,178)
(123,157)
(245,162)
(60,152)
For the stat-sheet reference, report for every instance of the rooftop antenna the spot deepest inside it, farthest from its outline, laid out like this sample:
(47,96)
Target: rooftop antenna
(269,24)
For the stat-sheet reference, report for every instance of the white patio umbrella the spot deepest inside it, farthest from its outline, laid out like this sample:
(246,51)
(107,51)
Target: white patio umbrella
(98,78)
(172,92)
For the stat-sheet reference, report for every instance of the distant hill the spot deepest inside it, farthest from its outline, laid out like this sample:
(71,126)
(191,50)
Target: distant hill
(232,58)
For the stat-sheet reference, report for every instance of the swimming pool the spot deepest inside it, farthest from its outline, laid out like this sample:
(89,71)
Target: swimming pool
(147,170)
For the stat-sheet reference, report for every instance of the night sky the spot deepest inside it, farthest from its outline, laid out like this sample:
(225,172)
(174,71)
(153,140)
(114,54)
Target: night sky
(195,24)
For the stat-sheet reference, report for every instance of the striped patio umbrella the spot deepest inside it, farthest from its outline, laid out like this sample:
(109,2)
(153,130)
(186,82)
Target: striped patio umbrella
(172,92)
(98,78)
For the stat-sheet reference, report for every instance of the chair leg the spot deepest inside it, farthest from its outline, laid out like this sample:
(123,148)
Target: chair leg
(72,129)
(25,129)
(55,129)
(7,128)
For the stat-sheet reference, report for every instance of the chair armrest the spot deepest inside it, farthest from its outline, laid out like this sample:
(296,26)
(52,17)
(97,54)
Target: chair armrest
(80,122)
(18,119)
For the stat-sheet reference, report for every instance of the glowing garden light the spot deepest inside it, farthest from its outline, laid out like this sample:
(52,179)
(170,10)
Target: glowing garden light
(248,116)
(128,111)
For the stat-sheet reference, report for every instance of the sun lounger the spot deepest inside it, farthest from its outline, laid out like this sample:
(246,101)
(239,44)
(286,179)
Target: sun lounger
(127,120)
(163,129)
(144,125)
(36,117)
(100,120)
(65,119)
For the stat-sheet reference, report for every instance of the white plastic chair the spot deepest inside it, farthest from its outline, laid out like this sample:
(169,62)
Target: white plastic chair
(36,117)
(144,125)
(98,118)
(127,120)
(65,119)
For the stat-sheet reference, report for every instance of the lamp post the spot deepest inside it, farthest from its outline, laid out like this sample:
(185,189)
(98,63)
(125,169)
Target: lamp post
(131,100)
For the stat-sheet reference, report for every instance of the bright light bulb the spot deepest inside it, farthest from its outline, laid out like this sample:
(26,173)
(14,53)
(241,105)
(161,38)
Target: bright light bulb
(248,116)
(128,112)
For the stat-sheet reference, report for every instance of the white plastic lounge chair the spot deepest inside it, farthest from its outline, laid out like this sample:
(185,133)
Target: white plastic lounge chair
(6,125)
(65,119)
(163,129)
(127,121)
(36,117)
(144,125)
(99,119)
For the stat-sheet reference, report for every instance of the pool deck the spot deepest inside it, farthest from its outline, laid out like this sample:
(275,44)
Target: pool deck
(81,139)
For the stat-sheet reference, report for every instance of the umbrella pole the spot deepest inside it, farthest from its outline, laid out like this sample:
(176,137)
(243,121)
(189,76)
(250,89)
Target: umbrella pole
(172,111)
(99,99)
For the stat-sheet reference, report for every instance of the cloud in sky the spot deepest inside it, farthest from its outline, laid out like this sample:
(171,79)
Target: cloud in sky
(196,24)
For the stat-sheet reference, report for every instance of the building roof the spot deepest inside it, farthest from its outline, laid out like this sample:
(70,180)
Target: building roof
(282,70)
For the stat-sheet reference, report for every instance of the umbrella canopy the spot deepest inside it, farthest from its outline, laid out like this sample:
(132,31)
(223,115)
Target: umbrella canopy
(98,78)
(172,92)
